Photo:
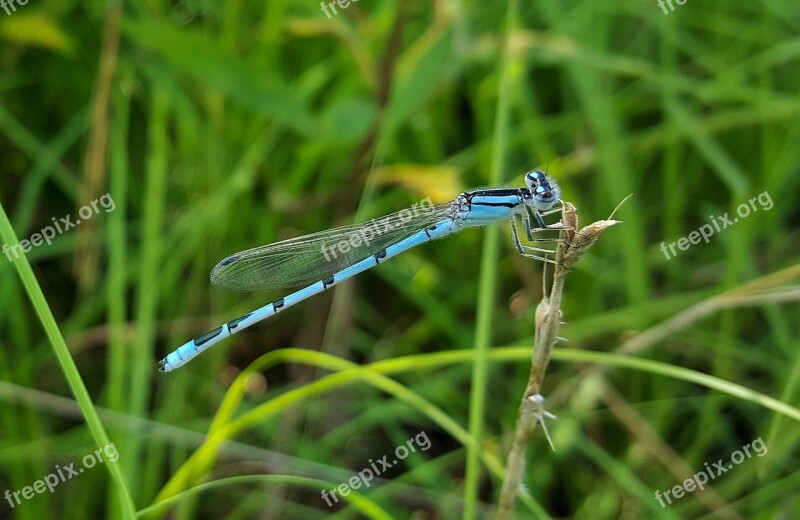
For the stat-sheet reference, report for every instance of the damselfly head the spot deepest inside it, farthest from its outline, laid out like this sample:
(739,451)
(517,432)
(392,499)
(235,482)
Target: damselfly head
(545,191)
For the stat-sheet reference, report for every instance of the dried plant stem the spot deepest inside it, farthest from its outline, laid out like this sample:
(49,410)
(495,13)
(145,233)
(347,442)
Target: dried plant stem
(546,333)
(548,321)
(574,243)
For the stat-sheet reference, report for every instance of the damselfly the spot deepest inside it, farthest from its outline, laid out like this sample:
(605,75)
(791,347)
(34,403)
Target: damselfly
(324,259)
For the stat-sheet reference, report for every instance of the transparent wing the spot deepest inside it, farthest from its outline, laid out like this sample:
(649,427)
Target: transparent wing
(317,256)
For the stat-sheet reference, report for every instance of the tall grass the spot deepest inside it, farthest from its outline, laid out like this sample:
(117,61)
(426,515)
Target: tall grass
(68,367)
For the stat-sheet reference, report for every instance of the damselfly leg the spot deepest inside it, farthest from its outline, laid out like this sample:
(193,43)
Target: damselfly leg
(527,221)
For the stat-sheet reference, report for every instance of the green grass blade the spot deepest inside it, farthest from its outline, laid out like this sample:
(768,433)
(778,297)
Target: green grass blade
(66,362)
(487,287)
(358,501)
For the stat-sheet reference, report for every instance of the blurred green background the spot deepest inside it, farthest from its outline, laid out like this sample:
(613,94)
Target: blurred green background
(217,127)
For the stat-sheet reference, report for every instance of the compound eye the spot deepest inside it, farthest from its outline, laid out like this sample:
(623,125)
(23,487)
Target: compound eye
(532,180)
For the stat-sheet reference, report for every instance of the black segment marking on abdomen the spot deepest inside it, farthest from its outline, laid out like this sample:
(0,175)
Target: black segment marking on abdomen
(327,282)
(235,323)
(277,305)
(199,340)
(380,254)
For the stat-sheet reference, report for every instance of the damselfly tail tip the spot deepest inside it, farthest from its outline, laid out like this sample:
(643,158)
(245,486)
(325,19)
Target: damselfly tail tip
(163,365)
